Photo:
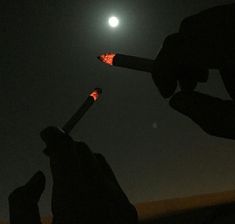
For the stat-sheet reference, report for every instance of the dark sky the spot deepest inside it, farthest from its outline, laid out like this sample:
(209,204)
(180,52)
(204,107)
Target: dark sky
(48,66)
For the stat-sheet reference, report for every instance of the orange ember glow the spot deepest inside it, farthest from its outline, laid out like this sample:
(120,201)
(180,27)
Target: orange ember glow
(107,58)
(95,94)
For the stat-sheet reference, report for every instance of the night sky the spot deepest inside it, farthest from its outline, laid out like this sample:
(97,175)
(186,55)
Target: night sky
(49,65)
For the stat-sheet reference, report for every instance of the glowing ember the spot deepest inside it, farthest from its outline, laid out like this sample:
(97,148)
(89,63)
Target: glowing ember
(107,58)
(96,94)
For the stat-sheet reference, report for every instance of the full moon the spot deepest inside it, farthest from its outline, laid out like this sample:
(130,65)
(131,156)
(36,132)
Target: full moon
(113,21)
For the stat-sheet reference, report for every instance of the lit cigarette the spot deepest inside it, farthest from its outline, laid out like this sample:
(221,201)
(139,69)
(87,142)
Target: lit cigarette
(127,61)
(93,96)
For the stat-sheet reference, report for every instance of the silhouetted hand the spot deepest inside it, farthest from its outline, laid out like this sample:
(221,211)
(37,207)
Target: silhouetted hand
(23,202)
(204,41)
(85,189)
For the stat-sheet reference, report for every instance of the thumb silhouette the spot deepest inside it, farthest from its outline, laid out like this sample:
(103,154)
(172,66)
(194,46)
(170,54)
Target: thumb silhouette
(23,201)
(213,115)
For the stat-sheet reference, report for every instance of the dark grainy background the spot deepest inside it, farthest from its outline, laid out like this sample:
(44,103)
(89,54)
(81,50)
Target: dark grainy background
(48,65)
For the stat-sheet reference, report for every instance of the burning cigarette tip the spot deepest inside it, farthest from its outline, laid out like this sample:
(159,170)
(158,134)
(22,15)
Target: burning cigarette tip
(107,58)
(96,93)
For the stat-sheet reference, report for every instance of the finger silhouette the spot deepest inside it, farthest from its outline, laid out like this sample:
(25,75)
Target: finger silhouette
(188,78)
(183,59)
(55,139)
(23,201)
(204,41)
(213,115)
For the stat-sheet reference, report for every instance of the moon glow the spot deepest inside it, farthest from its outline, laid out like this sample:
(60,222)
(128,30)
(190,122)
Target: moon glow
(113,21)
